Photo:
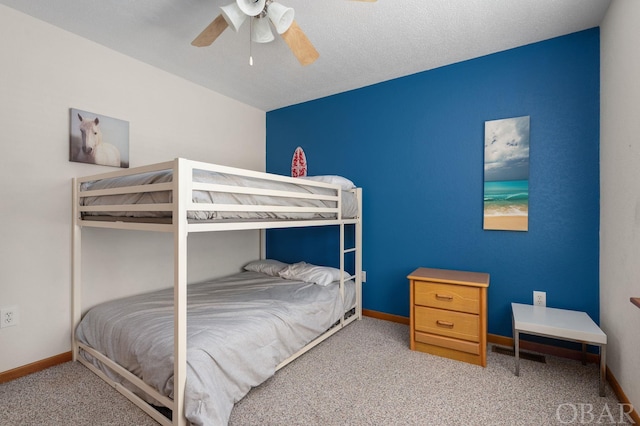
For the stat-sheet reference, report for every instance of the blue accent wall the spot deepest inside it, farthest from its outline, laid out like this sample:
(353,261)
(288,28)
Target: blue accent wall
(416,147)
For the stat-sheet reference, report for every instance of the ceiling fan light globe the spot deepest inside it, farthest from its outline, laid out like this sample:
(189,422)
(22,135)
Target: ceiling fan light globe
(261,31)
(251,7)
(233,15)
(281,16)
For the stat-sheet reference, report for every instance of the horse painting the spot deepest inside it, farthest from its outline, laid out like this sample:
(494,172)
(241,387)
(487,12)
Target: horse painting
(94,150)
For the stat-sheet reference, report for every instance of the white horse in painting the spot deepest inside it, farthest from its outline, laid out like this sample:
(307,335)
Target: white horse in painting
(94,149)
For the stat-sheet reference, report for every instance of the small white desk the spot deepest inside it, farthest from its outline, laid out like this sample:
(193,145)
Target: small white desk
(560,324)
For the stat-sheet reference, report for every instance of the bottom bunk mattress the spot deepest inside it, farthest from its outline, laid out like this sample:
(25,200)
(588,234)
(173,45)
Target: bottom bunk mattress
(239,328)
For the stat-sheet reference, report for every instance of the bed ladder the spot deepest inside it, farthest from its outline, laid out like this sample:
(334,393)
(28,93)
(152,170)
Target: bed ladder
(356,250)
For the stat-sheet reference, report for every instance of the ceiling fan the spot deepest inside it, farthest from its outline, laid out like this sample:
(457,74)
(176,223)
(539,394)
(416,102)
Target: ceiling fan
(260,12)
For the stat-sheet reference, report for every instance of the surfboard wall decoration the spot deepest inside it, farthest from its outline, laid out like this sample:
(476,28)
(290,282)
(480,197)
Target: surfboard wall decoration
(299,163)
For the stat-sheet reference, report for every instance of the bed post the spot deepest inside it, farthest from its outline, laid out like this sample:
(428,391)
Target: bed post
(76,271)
(263,243)
(343,252)
(358,244)
(181,192)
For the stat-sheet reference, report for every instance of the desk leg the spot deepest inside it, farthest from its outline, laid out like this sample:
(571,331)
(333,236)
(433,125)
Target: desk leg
(603,367)
(516,338)
(584,353)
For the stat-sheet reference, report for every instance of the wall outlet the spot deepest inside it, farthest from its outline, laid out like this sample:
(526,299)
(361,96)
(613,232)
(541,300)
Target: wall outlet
(539,298)
(364,276)
(9,316)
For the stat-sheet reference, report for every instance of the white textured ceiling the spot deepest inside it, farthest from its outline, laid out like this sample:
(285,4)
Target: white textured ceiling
(359,43)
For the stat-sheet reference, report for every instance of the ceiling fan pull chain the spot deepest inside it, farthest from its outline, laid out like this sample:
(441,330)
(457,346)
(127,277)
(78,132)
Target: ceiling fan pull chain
(250,32)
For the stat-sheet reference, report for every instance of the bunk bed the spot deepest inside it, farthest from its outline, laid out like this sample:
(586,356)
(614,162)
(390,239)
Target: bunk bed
(183,197)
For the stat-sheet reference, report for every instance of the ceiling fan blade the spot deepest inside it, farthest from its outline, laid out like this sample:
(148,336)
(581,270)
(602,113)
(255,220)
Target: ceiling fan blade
(211,33)
(300,45)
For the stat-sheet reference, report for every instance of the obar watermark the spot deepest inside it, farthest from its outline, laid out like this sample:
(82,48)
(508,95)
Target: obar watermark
(591,414)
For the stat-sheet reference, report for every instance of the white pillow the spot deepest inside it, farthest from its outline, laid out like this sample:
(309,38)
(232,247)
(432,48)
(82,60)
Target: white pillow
(344,183)
(266,266)
(321,275)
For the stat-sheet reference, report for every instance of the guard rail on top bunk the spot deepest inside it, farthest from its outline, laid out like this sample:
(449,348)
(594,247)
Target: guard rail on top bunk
(181,188)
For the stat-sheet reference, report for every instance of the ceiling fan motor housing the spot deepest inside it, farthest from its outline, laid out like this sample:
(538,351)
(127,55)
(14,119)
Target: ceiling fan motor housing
(251,7)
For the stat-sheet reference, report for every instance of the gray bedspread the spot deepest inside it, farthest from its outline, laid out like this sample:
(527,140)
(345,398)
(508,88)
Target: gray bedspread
(349,202)
(239,329)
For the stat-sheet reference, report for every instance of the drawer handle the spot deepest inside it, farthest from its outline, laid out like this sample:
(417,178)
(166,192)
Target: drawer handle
(444,324)
(444,296)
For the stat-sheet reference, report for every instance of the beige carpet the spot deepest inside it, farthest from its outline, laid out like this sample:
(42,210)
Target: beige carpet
(364,375)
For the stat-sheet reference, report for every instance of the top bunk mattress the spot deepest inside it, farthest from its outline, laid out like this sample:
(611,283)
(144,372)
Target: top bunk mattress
(349,203)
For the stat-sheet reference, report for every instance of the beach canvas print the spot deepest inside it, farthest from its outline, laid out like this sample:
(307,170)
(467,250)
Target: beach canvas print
(506,174)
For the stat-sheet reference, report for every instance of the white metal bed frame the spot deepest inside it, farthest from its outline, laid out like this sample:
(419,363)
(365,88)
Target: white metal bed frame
(182,187)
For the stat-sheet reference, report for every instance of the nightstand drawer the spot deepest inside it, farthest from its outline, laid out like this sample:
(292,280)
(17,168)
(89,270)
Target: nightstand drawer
(448,342)
(447,323)
(447,296)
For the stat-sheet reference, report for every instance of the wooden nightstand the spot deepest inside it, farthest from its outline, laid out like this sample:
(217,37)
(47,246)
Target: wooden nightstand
(449,314)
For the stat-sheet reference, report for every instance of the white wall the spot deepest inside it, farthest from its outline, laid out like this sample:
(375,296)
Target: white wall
(620,192)
(44,71)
